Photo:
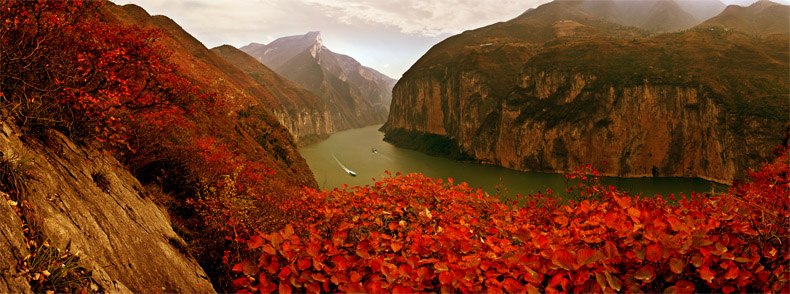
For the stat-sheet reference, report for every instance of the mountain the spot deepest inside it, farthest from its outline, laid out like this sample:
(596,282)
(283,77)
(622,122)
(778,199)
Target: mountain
(557,87)
(355,95)
(650,15)
(296,110)
(656,16)
(761,18)
(701,9)
(141,150)
(303,113)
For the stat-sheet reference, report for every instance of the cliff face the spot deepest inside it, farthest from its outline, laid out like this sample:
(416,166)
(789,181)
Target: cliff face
(703,103)
(82,198)
(355,95)
(303,113)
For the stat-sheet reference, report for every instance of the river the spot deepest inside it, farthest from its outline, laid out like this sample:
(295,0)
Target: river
(354,150)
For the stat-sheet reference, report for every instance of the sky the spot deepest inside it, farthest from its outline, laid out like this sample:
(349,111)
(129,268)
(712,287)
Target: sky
(387,35)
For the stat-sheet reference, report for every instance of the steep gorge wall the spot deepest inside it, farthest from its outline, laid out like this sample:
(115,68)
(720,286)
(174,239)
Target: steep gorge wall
(557,121)
(84,199)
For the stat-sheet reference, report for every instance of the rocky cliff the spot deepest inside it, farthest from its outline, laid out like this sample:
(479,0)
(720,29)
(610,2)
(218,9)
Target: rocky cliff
(703,103)
(303,113)
(80,198)
(355,95)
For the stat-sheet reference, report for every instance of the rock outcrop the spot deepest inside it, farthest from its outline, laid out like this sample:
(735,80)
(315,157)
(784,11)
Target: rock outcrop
(555,89)
(355,95)
(82,198)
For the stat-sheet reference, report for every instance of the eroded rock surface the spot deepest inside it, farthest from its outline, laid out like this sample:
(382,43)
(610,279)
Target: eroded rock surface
(86,198)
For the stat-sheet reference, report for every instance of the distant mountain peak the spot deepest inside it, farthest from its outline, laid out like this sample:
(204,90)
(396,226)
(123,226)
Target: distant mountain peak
(355,95)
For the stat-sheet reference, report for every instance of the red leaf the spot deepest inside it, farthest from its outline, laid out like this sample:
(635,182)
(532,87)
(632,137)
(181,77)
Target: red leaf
(267,286)
(303,264)
(646,273)
(269,249)
(338,238)
(405,270)
(242,282)
(614,282)
(319,277)
(561,220)
(285,288)
(532,276)
(541,242)
(288,232)
(246,267)
(511,286)
(564,259)
(634,213)
(446,278)
(312,288)
(254,242)
(732,272)
(623,202)
(531,289)
(654,252)
(355,288)
(441,267)
(676,265)
(684,287)
(238,267)
(396,246)
(587,256)
(276,239)
(284,273)
(706,274)
(610,250)
(313,249)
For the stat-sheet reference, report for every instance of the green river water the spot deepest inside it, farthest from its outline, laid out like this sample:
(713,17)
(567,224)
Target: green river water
(353,149)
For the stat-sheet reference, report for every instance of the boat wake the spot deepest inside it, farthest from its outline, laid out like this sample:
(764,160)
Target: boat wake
(350,172)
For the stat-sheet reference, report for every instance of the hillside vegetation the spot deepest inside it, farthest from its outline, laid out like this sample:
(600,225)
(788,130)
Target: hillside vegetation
(102,73)
(241,196)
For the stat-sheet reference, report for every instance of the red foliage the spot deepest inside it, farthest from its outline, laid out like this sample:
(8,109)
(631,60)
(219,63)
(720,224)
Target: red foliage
(65,68)
(411,233)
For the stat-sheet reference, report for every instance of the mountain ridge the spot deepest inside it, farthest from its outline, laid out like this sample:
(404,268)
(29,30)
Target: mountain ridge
(555,83)
(356,95)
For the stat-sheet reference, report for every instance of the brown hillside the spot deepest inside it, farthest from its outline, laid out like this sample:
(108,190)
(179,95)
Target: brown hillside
(556,88)
(761,18)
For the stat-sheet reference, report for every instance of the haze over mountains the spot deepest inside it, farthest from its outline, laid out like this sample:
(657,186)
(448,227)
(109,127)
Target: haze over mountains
(356,95)
(564,84)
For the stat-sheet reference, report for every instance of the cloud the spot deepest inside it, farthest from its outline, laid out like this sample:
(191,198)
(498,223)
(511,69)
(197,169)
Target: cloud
(375,32)
(426,18)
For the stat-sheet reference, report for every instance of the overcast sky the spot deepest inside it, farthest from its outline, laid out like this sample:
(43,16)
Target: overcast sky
(387,35)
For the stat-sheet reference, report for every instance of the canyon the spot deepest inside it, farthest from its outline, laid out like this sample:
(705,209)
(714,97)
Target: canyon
(559,87)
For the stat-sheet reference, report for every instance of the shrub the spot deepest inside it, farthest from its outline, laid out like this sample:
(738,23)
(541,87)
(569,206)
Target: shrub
(412,233)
